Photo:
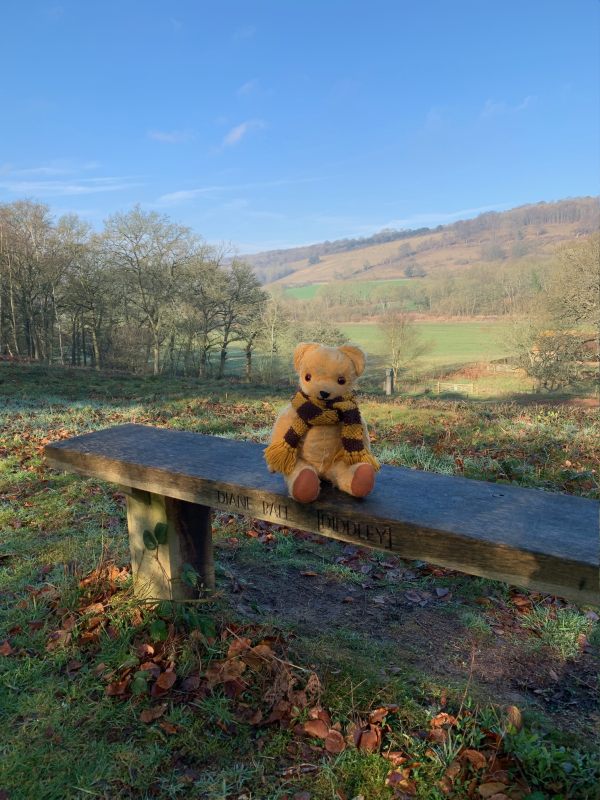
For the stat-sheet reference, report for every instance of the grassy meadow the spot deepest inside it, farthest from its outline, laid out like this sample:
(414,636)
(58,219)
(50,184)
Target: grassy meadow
(319,671)
(311,290)
(451,342)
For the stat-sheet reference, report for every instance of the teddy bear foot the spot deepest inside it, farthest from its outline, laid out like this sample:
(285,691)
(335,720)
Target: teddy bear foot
(363,480)
(306,486)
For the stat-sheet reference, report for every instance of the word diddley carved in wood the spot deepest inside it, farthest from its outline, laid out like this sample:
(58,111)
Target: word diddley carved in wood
(527,537)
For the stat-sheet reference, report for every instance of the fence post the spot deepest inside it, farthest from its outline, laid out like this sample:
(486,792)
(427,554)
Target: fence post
(389,382)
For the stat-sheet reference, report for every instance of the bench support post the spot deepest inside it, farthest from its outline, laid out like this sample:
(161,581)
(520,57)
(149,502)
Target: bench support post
(158,573)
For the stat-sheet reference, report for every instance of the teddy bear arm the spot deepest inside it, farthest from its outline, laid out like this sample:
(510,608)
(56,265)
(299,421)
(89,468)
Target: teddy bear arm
(282,423)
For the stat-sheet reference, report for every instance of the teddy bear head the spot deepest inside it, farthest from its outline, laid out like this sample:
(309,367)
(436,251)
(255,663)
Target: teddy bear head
(328,372)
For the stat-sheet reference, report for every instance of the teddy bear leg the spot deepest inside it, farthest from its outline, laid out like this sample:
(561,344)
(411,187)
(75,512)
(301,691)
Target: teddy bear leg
(303,483)
(355,479)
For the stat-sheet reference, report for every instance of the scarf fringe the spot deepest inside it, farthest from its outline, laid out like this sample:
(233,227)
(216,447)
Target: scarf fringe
(281,457)
(363,457)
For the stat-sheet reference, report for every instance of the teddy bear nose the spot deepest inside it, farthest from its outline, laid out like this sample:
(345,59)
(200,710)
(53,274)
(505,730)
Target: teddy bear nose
(324,395)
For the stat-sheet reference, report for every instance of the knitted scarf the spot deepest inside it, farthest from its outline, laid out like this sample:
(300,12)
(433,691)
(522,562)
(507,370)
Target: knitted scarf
(281,455)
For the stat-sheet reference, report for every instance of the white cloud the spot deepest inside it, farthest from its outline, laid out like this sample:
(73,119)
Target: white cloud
(248,88)
(184,195)
(170,137)
(236,134)
(52,169)
(56,188)
(494,108)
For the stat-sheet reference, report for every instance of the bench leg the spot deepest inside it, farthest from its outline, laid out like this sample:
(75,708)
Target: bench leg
(157,573)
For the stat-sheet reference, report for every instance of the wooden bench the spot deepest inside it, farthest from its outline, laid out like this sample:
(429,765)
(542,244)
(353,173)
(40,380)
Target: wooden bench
(530,538)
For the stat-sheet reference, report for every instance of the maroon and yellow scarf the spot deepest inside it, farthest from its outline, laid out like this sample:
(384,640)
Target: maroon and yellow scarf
(281,455)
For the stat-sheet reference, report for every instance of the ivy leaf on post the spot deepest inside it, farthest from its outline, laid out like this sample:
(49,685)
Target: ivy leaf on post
(150,540)
(160,532)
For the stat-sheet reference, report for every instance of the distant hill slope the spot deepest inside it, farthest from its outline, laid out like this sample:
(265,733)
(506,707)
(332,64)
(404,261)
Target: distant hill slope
(495,236)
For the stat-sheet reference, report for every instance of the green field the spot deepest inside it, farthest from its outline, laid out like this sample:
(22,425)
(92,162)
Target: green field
(310,291)
(452,342)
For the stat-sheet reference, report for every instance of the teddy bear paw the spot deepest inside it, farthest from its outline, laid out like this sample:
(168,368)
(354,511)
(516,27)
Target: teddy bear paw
(306,486)
(363,480)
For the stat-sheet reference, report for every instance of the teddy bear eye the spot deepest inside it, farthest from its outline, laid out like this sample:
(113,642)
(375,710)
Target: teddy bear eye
(342,381)
(307,376)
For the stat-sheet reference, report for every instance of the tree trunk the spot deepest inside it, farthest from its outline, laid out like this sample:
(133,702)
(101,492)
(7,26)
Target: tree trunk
(222,358)
(249,365)
(83,342)
(95,348)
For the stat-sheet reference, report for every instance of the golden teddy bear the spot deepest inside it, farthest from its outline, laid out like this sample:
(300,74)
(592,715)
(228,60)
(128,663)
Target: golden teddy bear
(320,434)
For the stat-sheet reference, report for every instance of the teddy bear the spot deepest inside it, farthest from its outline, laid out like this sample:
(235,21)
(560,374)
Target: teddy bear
(320,434)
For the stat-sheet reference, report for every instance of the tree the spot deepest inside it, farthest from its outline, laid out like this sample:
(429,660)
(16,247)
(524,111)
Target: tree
(274,324)
(151,252)
(404,343)
(242,299)
(577,287)
(553,357)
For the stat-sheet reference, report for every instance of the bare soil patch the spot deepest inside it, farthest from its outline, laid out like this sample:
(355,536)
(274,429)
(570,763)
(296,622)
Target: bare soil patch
(421,633)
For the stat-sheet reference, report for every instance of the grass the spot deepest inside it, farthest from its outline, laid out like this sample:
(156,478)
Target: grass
(364,288)
(371,626)
(452,342)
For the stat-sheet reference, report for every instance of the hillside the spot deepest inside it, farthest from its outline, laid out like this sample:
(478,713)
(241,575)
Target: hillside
(532,230)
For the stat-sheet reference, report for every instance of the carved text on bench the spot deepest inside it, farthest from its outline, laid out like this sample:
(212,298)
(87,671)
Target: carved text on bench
(382,534)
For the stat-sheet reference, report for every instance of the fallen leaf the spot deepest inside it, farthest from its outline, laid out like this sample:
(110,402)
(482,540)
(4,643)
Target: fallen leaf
(396,757)
(168,727)
(370,739)
(474,757)
(145,650)
(117,688)
(258,655)
(6,649)
(58,639)
(443,719)
(151,667)
(380,713)
(487,790)
(514,718)
(309,574)
(238,646)
(316,728)
(165,681)
(152,713)
(334,743)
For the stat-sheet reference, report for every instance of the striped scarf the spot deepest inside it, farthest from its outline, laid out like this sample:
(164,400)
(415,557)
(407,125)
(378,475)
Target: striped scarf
(281,456)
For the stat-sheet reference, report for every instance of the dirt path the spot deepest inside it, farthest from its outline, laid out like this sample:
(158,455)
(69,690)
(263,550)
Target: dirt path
(424,634)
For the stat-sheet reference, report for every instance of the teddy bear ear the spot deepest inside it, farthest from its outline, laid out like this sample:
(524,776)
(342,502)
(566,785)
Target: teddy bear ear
(300,351)
(356,356)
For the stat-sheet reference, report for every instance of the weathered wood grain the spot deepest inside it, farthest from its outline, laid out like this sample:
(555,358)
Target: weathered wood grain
(530,538)
(157,574)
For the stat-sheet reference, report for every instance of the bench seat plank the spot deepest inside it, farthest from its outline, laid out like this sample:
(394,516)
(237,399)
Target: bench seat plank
(527,537)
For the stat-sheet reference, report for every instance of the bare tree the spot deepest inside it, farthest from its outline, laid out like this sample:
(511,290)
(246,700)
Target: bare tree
(404,344)
(240,306)
(151,251)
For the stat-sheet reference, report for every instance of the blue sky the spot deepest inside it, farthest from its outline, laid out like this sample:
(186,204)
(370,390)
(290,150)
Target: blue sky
(269,123)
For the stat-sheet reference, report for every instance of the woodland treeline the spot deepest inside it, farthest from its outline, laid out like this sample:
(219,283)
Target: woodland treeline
(143,294)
